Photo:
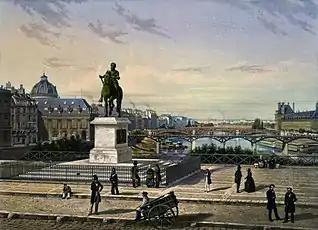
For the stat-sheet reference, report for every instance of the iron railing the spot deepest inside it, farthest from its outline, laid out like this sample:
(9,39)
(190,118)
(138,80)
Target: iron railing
(54,156)
(301,160)
(64,172)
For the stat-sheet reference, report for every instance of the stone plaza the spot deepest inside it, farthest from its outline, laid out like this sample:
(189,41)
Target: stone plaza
(221,204)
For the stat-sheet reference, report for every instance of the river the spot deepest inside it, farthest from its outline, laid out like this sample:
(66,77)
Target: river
(260,149)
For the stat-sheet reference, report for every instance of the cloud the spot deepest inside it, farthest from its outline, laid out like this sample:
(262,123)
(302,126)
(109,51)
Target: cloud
(31,31)
(192,69)
(145,25)
(301,14)
(249,69)
(54,62)
(52,12)
(111,34)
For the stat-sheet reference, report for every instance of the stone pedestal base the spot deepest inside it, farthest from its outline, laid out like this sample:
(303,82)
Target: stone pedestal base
(111,141)
(110,156)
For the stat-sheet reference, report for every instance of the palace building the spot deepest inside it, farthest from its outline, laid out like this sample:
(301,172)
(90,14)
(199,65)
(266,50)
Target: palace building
(286,119)
(60,117)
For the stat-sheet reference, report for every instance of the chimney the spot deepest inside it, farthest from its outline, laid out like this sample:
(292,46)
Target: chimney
(8,85)
(294,106)
(317,107)
(278,106)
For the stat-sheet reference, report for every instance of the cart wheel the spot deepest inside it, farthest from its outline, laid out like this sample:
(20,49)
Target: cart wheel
(176,211)
(162,217)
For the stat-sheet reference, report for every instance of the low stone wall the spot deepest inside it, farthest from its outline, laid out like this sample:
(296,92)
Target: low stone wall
(182,169)
(9,169)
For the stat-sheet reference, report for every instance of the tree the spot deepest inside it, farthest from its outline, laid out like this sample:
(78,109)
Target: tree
(258,124)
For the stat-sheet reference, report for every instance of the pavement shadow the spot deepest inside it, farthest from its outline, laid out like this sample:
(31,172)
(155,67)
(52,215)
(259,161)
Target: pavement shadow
(195,179)
(193,217)
(306,216)
(128,193)
(117,211)
(261,187)
(220,189)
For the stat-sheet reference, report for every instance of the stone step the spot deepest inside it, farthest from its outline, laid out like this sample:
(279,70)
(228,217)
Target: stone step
(73,178)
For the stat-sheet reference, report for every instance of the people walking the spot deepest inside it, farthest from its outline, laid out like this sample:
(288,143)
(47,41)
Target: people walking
(271,203)
(135,175)
(96,188)
(290,199)
(238,178)
(208,180)
(157,176)
(114,182)
(249,183)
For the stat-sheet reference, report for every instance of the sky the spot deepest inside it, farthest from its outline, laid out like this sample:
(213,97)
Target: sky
(198,58)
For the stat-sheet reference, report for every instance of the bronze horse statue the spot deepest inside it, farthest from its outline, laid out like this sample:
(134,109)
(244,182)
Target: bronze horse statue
(109,94)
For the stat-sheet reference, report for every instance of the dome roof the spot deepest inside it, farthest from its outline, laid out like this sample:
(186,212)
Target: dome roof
(44,88)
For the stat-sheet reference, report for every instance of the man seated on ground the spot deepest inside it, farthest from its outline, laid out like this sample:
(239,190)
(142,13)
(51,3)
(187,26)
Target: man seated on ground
(66,192)
(260,163)
(139,210)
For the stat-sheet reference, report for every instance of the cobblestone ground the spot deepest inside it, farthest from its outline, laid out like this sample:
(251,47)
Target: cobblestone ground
(304,180)
(125,209)
(17,224)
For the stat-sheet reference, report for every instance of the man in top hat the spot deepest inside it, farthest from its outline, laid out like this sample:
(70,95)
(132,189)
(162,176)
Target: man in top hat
(96,188)
(139,210)
(290,199)
(271,203)
(238,178)
(135,175)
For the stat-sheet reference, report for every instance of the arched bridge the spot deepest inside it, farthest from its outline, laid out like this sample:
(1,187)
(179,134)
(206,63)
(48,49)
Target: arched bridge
(224,138)
(204,130)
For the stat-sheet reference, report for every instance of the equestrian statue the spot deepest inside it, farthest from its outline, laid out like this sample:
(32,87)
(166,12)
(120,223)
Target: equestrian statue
(111,91)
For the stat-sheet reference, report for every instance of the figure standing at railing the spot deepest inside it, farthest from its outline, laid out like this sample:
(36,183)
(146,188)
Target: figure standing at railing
(150,180)
(96,188)
(135,175)
(208,180)
(238,178)
(114,182)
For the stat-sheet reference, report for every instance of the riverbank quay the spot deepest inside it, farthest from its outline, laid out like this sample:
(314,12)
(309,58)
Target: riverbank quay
(49,213)
(304,181)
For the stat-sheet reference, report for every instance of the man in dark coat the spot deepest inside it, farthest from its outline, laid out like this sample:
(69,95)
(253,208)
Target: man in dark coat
(271,203)
(135,175)
(238,178)
(114,182)
(290,199)
(157,176)
(96,188)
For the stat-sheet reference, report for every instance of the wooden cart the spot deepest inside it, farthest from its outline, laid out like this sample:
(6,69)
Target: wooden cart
(162,211)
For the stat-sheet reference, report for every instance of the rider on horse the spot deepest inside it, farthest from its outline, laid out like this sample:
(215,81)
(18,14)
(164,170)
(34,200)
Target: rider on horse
(113,74)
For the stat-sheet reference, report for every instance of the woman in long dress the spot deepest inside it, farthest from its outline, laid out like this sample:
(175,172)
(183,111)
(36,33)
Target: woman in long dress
(249,183)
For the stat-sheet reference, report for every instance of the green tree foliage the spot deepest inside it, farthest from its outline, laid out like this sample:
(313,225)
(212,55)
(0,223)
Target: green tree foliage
(214,149)
(74,144)
(258,124)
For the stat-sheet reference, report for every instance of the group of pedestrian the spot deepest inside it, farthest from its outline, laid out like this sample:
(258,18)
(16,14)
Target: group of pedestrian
(153,176)
(249,185)
(289,201)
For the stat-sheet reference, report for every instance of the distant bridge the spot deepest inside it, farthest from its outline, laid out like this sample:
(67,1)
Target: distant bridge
(253,139)
(204,130)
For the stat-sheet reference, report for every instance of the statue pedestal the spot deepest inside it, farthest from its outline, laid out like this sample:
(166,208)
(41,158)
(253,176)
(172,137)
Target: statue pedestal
(111,141)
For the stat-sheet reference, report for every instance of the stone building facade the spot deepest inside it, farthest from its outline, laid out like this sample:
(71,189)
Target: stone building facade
(24,117)
(286,119)
(60,117)
(5,118)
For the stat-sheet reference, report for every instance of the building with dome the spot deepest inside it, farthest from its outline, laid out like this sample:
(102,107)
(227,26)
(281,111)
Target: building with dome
(60,117)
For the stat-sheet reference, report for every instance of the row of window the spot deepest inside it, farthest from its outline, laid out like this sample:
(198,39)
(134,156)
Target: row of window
(64,124)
